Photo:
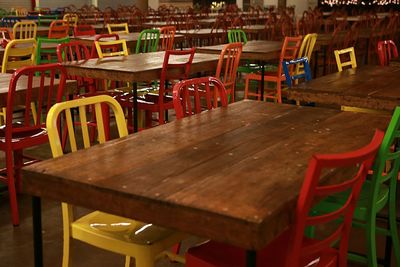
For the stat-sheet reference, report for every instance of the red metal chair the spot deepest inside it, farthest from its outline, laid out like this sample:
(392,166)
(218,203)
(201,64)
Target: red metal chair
(84,30)
(58,29)
(386,50)
(167,37)
(20,133)
(292,248)
(172,70)
(189,95)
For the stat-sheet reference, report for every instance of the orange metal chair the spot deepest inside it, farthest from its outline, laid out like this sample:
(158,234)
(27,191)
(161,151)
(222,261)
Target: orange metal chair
(227,69)
(387,50)
(58,29)
(20,133)
(143,241)
(289,52)
(24,30)
(188,95)
(292,248)
(167,37)
(84,30)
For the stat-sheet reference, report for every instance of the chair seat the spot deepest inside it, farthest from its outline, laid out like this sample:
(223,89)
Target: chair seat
(122,235)
(361,212)
(23,134)
(215,254)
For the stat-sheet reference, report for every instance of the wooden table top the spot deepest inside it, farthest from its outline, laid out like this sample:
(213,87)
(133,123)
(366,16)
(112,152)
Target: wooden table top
(373,87)
(135,67)
(201,32)
(21,87)
(258,50)
(231,174)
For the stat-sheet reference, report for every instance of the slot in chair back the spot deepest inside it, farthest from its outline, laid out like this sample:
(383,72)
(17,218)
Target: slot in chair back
(348,52)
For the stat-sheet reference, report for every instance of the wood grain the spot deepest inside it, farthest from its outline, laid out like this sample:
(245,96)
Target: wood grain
(232,174)
(372,87)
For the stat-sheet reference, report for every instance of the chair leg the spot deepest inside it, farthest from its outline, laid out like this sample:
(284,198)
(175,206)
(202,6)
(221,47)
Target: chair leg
(128,261)
(149,118)
(371,240)
(393,221)
(66,234)
(18,164)
(11,188)
(279,92)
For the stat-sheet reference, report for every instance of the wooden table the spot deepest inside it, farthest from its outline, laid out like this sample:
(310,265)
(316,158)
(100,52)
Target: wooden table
(232,174)
(42,31)
(201,37)
(135,68)
(5,78)
(372,87)
(131,39)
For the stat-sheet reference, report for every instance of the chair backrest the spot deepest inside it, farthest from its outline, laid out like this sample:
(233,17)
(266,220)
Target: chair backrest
(24,30)
(102,37)
(73,51)
(147,41)
(84,29)
(289,51)
(306,49)
(38,83)
(8,22)
(361,161)
(306,74)
(72,19)
(21,11)
(62,111)
(58,29)
(118,28)
(19,53)
(48,54)
(386,50)
(237,36)
(111,48)
(228,63)
(167,35)
(351,56)
(189,96)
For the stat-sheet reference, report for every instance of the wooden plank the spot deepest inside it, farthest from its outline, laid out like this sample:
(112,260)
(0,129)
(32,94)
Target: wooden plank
(372,87)
(232,174)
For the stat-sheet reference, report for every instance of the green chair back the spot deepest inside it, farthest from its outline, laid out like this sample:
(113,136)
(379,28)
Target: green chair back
(46,50)
(147,41)
(236,36)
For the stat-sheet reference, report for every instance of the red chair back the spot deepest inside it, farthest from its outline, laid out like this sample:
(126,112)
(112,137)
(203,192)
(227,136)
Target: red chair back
(167,37)
(73,51)
(311,191)
(84,30)
(40,88)
(190,95)
(58,29)
(104,37)
(386,51)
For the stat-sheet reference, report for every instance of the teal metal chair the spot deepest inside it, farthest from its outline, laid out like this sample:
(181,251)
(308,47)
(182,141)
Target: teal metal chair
(48,54)
(377,193)
(147,41)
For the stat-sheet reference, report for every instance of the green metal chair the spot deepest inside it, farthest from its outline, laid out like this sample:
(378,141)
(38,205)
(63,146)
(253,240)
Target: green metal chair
(147,41)
(377,193)
(48,54)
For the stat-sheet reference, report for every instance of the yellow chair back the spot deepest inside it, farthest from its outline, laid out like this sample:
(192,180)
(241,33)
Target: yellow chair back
(306,49)
(24,30)
(112,48)
(72,19)
(118,28)
(19,53)
(351,62)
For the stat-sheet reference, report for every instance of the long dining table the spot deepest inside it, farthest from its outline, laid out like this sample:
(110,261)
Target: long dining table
(370,87)
(231,174)
(135,68)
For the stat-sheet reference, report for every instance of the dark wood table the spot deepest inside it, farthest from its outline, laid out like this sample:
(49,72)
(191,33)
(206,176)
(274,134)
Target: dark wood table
(135,68)
(372,87)
(201,37)
(231,174)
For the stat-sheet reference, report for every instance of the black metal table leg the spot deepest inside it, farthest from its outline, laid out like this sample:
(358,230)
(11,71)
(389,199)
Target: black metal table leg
(251,257)
(135,107)
(37,231)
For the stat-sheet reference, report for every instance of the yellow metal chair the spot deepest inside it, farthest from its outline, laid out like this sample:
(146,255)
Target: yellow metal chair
(111,48)
(72,19)
(21,11)
(306,49)
(144,242)
(25,30)
(18,53)
(118,28)
(349,52)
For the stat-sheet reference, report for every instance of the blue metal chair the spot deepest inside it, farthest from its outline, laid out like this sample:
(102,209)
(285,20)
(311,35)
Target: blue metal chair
(8,22)
(306,73)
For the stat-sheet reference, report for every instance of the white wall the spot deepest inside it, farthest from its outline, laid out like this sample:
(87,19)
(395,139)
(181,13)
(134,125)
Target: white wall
(62,3)
(154,4)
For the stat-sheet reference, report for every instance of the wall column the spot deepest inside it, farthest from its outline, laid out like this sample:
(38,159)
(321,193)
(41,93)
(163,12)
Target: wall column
(142,4)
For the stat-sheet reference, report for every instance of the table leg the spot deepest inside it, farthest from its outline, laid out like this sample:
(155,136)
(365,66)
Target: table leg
(135,107)
(262,80)
(37,231)
(251,257)
(324,67)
